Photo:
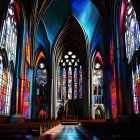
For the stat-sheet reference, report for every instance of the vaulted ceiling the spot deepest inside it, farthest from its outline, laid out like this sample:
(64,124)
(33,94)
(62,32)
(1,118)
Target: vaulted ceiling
(91,15)
(51,15)
(35,8)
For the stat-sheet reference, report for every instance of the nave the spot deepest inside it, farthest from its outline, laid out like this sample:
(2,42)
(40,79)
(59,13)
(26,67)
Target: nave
(63,61)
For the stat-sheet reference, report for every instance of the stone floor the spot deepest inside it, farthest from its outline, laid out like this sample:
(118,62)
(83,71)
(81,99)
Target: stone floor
(68,132)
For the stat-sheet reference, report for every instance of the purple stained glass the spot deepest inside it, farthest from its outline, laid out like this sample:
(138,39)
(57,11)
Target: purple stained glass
(75,84)
(80,82)
(59,84)
(64,83)
(41,77)
(9,43)
(69,83)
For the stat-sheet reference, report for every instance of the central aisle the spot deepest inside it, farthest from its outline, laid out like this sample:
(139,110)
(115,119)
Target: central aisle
(68,132)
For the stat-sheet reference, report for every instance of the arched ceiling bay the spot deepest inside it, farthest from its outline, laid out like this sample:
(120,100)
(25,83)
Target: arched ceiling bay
(41,37)
(55,16)
(85,11)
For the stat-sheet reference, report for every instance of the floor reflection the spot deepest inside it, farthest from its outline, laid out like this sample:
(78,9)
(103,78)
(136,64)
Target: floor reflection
(68,132)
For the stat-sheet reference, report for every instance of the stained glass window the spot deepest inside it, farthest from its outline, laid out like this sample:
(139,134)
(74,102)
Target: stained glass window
(7,96)
(25,91)
(1,82)
(136,90)
(71,76)
(8,43)
(41,77)
(28,48)
(41,80)
(9,35)
(3,94)
(132,43)
(97,81)
(26,99)
(113,92)
(75,83)
(59,84)
(132,32)
(97,86)
(64,83)
(80,82)
(69,83)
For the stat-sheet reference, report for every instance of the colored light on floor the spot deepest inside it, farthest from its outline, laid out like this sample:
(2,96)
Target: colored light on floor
(68,132)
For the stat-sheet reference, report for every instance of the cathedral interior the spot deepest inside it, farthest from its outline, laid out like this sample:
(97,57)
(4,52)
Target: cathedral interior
(69,69)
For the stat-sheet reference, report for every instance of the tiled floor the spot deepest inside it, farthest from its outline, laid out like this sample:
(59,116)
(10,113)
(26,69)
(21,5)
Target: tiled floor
(68,132)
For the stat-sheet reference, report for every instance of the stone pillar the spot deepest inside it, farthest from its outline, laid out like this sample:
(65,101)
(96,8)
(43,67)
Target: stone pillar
(18,117)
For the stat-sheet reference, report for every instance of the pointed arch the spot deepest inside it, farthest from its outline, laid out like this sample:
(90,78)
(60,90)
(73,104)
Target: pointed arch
(72,34)
(39,55)
(60,111)
(70,109)
(8,45)
(5,58)
(42,113)
(97,82)
(41,70)
(72,37)
(99,112)
(130,39)
(15,5)
(40,94)
(130,30)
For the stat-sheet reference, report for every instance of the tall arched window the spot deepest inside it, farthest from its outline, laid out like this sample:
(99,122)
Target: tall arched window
(132,32)
(64,83)
(41,79)
(8,88)
(59,83)
(9,34)
(71,77)
(69,83)
(8,43)
(41,94)
(97,84)
(80,82)
(75,83)
(132,43)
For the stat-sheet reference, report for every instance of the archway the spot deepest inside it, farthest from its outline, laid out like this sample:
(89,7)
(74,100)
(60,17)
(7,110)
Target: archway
(97,85)
(60,112)
(42,113)
(99,113)
(131,48)
(41,84)
(68,60)
(8,45)
(70,110)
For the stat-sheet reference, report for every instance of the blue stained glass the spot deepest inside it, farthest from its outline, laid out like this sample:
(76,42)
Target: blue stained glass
(132,43)
(70,83)
(64,83)
(72,77)
(80,82)
(131,32)
(59,84)
(41,77)
(75,84)
(10,47)
(5,32)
